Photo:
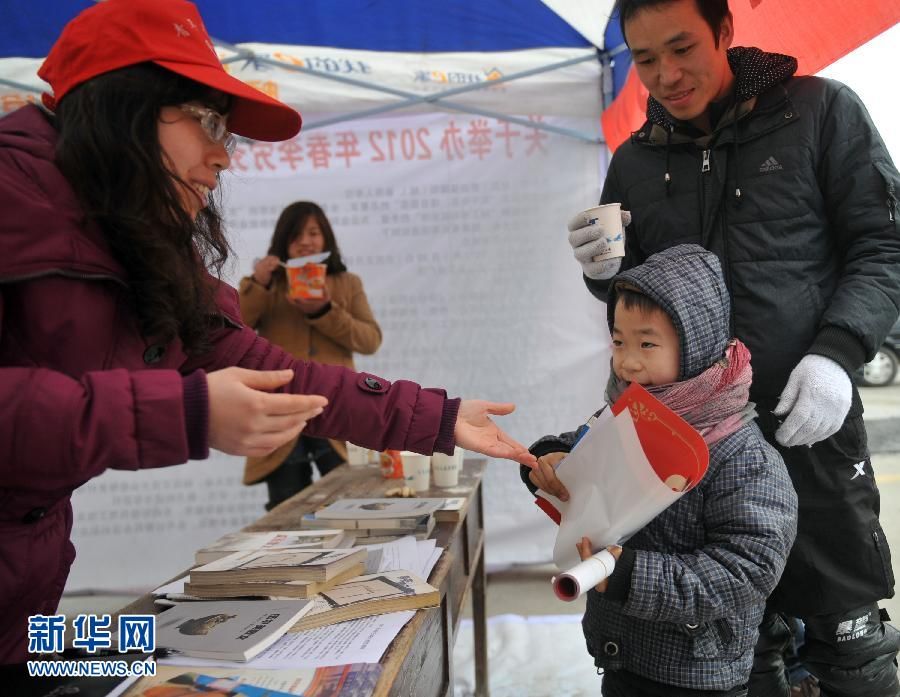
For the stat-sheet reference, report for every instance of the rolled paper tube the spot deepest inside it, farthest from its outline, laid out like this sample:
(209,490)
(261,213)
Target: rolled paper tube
(571,584)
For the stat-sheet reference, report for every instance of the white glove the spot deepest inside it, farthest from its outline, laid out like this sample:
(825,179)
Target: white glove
(816,400)
(588,242)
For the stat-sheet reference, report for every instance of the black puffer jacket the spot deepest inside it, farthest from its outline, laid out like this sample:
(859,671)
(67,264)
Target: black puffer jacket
(796,194)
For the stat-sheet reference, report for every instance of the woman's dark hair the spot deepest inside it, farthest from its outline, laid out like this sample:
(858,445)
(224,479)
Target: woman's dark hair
(109,151)
(713,11)
(291,223)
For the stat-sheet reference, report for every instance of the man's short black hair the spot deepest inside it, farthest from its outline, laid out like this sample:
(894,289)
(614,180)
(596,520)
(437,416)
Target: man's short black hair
(713,11)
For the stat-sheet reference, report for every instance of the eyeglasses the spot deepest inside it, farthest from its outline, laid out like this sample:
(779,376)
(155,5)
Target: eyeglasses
(214,124)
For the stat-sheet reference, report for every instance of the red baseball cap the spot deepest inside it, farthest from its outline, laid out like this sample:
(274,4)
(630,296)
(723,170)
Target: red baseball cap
(117,33)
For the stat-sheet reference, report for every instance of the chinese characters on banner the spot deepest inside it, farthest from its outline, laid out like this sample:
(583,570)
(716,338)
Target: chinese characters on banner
(460,138)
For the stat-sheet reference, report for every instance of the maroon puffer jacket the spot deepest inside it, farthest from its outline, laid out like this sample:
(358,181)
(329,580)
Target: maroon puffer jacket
(82,391)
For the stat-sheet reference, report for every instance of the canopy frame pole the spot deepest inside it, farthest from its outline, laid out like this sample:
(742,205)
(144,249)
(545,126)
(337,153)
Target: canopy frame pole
(410,99)
(407,98)
(20,86)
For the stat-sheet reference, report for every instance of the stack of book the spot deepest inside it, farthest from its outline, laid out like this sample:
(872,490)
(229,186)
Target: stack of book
(276,539)
(374,594)
(283,573)
(382,520)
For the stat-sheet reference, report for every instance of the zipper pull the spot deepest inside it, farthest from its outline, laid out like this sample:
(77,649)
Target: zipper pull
(705,167)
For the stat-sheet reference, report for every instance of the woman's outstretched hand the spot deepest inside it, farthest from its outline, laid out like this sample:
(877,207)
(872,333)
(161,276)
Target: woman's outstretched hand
(247,418)
(476,431)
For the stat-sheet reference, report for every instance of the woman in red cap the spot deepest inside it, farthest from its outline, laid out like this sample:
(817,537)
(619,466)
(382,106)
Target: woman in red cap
(118,349)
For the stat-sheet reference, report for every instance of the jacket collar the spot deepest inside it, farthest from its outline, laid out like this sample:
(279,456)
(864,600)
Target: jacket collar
(755,73)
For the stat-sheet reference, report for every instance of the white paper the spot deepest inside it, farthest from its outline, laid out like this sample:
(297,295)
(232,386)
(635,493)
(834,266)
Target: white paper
(425,551)
(176,586)
(613,490)
(432,561)
(357,641)
(393,556)
(578,580)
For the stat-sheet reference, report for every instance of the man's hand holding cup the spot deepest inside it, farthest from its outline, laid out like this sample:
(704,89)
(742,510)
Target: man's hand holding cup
(597,236)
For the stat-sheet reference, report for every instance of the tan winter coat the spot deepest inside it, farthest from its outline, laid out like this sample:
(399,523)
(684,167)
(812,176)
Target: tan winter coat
(347,328)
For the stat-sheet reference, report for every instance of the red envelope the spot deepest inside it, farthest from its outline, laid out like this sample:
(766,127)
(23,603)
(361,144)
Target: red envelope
(675,450)
(671,444)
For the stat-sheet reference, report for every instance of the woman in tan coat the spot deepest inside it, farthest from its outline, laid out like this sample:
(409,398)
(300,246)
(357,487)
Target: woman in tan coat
(327,330)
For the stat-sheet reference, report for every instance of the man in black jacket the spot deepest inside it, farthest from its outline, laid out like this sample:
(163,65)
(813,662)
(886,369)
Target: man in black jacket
(787,180)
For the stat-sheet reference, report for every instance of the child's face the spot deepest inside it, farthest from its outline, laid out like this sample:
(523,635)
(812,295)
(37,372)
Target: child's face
(646,349)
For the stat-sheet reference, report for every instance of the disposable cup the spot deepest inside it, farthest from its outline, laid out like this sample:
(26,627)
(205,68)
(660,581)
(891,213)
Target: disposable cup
(416,470)
(391,464)
(307,282)
(446,468)
(609,217)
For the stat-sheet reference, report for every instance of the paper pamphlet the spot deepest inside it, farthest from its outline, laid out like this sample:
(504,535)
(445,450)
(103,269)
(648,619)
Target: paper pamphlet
(636,460)
(357,641)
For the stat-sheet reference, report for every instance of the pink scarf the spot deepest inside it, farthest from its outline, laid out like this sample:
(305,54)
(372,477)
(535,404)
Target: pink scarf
(714,402)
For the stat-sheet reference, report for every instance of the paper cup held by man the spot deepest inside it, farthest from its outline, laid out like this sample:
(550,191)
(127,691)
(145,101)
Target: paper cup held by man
(609,218)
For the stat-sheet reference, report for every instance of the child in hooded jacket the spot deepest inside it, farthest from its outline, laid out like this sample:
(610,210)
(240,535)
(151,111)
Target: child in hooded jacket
(679,615)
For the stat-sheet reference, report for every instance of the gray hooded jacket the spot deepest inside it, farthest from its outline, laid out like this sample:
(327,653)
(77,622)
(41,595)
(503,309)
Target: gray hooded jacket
(687,596)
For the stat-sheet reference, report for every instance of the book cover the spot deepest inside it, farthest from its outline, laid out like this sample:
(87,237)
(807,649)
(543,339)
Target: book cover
(268,589)
(376,594)
(355,525)
(283,565)
(379,508)
(200,685)
(348,680)
(277,539)
(453,510)
(233,630)
(279,565)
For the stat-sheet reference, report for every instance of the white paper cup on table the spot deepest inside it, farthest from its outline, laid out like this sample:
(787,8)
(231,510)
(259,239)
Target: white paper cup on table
(446,468)
(609,217)
(416,470)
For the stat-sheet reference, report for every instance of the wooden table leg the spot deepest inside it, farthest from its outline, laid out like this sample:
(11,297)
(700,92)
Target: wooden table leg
(479,625)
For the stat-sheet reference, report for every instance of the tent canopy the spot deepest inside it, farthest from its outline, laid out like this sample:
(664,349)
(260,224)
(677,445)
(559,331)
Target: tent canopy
(818,32)
(372,25)
(393,53)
